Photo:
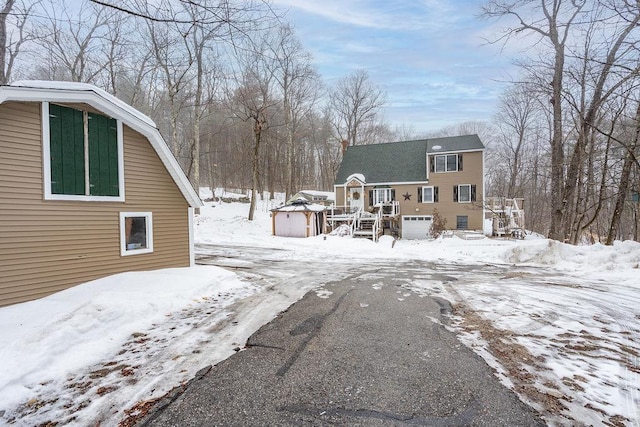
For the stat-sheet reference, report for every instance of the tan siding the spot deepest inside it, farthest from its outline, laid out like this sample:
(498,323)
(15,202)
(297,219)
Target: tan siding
(445,181)
(47,246)
(471,173)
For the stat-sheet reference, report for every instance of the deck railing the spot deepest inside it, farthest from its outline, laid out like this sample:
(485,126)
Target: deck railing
(508,215)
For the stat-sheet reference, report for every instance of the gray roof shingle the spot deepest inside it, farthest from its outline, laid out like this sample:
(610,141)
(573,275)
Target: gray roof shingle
(404,161)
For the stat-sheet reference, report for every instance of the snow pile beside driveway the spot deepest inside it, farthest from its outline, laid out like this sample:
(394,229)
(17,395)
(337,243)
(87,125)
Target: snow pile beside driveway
(595,257)
(90,349)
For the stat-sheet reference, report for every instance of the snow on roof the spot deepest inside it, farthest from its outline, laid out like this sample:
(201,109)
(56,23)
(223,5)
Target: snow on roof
(358,176)
(71,92)
(327,194)
(302,207)
(74,86)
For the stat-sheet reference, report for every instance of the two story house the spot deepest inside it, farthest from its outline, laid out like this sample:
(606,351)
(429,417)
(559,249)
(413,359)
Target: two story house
(420,176)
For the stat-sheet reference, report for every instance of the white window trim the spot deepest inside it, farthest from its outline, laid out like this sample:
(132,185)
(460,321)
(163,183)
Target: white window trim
(435,168)
(464,201)
(46,159)
(432,194)
(123,241)
(385,192)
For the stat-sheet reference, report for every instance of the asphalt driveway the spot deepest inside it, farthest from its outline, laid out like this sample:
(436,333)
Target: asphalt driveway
(363,350)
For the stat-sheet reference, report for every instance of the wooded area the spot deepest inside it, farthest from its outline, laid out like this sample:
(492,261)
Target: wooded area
(238,99)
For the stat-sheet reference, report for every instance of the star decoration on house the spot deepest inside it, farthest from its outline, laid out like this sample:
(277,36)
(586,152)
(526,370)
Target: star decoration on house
(407,196)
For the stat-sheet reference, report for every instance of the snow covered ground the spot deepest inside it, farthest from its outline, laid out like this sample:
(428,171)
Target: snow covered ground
(571,315)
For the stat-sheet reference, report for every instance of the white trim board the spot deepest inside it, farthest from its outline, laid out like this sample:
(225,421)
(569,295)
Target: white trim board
(38,91)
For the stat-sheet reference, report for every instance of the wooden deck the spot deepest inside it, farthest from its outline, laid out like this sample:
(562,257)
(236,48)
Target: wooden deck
(365,224)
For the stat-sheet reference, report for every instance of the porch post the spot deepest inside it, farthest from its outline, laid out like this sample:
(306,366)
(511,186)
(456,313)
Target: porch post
(273,222)
(345,195)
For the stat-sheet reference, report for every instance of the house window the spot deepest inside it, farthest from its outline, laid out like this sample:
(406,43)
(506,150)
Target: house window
(381,195)
(82,155)
(136,233)
(447,163)
(464,193)
(462,222)
(428,194)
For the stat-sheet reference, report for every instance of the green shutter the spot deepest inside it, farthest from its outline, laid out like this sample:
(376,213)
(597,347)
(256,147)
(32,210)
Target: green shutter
(103,156)
(66,147)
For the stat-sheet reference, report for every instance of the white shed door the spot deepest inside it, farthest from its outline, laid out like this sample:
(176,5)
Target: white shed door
(416,226)
(291,224)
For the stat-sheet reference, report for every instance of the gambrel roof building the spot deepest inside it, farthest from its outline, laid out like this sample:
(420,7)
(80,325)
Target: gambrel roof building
(88,188)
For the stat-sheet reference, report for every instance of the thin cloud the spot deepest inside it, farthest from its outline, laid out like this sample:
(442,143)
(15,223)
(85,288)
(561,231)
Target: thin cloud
(428,55)
(366,14)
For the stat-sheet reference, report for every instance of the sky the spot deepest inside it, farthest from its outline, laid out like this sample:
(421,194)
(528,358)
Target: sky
(85,355)
(430,56)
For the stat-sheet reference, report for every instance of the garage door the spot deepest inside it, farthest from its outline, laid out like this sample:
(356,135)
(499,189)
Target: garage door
(416,226)
(291,224)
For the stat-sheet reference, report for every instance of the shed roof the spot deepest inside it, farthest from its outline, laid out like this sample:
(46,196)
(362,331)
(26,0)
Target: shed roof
(302,206)
(404,161)
(64,92)
(325,194)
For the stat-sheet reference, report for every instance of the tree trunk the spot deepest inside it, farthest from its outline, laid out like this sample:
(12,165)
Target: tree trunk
(289,158)
(255,170)
(197,113)
(623,189)
(557,144)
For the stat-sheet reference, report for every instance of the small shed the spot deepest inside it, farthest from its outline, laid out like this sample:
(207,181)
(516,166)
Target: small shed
(298,219)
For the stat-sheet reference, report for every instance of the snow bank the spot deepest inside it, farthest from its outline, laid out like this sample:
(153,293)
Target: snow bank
(595,257)
(78,327)
(226,223)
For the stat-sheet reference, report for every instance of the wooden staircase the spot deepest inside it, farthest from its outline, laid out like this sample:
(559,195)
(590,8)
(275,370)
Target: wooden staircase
(361,224)
(368,226)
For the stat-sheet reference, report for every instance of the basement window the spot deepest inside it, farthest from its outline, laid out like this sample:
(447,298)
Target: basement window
(136,233)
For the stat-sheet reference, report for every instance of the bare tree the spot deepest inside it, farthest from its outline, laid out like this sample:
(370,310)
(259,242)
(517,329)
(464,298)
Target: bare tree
(72,39)
(299,85)
(630,160)
(14,16)
(252,101)
(115,46)
(242,16)
(515,120)
(610,60)
(552,21)
(326,152)
(354,102)
(175,63)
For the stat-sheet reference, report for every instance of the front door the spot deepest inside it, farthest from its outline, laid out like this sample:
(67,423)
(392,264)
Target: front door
(357,198)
